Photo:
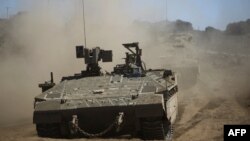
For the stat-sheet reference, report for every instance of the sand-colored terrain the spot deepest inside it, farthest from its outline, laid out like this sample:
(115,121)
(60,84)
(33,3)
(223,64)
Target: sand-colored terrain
(34,45)
(219,97)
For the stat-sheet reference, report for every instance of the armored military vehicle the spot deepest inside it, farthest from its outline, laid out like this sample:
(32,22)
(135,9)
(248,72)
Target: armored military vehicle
(130,100)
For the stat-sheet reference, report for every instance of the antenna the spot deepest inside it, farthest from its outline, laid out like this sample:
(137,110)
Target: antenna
(166,10)
(7,12)
(48,3)
(84,30)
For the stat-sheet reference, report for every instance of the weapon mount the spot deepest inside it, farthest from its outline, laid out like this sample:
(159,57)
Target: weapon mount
(133,66)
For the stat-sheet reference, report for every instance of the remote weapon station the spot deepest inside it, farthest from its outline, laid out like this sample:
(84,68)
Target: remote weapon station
(131,100)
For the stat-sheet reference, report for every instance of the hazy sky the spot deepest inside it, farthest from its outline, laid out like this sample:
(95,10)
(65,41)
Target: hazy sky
(201,13)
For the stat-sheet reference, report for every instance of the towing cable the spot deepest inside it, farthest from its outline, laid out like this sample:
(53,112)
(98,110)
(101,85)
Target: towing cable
(74,127)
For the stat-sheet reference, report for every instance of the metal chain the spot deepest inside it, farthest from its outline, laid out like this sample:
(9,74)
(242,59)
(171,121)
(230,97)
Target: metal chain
(170,133)
(97,134)
(171,130)
(118,121)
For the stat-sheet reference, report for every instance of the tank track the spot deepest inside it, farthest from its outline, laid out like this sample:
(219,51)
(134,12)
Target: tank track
(156,130)
(48,130)
(151,130)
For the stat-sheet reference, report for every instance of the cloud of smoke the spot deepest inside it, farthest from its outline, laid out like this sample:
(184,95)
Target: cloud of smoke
(42,40)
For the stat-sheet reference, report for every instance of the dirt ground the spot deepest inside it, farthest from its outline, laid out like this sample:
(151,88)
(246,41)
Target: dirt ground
(220,96)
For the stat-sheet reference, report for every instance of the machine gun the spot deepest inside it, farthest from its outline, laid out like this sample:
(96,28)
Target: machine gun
(91,57)
(133,66)
(47,84)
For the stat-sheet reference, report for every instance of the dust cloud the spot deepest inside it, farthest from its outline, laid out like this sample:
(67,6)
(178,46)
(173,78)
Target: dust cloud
(43,40)
(35,45)
(213,67)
